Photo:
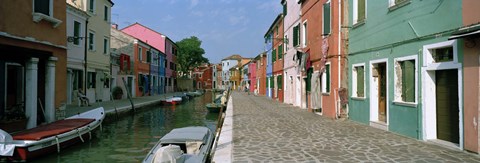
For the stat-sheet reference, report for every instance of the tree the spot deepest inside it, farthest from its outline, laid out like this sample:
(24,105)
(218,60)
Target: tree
(190,54)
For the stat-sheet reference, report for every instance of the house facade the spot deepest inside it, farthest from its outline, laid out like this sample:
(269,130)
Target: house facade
(76,37)
(252,75)
(409,78)
(98,50)
(269,36)
(171,55)
(277,58)
(142,68)
(261,73)
(216,76)
(123,54)
(292,77)
(227,64)
(33,64)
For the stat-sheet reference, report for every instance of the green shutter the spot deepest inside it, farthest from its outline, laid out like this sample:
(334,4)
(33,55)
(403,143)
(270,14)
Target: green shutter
(408,81)
(274,55)
(295,36)
(76,32)
(327,73)
(360,81)
(361,10)
(279,81)
(271,82)
(308,83)
(280,51)
(285,9)
(326,18)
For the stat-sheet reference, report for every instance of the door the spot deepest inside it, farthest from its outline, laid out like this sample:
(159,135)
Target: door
(14,85)
(298,93)
(382,94)
(447,105)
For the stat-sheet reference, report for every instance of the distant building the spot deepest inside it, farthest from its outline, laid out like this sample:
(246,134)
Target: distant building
(227,64)
(123,61)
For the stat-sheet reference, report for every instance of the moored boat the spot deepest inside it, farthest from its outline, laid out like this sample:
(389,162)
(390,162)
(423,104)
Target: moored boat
(215,107)
(188,144)
(38,141)
(171,101)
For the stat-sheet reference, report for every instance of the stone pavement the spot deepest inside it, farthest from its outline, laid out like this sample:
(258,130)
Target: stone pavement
(268,131)
(122,105)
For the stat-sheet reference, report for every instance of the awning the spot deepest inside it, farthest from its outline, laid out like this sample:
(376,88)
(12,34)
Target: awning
(466,32)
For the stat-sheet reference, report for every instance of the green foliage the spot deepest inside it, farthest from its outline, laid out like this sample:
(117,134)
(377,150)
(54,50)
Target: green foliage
(190,54)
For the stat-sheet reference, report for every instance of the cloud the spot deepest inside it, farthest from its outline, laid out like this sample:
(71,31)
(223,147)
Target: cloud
(167,18)
(193,3)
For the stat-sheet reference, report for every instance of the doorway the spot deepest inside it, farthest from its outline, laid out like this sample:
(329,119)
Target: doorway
(379,93)
(447,105)
(14,85)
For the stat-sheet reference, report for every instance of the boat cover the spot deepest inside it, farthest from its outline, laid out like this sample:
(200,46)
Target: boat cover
(6,149)
(181,135)
(52,129)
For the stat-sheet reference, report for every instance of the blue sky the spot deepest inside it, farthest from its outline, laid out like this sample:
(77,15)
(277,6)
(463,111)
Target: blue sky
(225,27)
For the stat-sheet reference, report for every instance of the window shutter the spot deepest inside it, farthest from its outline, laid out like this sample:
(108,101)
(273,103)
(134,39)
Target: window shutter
(408,81)
(149,54)
(360,81)
(279,81)
(327,72)
(280,51)
(326,18)
(361,10)
(295,36)
(274,55)
(285,9)
(271,82)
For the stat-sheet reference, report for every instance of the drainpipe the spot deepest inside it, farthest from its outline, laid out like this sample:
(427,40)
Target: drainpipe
(339,53)
(85,57)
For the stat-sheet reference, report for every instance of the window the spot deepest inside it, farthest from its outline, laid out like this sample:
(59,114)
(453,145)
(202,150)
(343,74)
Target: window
(271,82)
(405,77)
(92,77)
(326,19)
(105,45)
(359,10)
(76,32)
(228,63)
(279,81)
(296,35)
(358,80)
(326,79)
(91,41)
(444,54)
(105,13)
(274,55)
(308,82)
(304,34)
(280,51)
(43,6)
(392,3)
(440,53)
(285,41)
(165,63)
(140,57)
(276,30)
(91,6)
(285,8)
(149,55)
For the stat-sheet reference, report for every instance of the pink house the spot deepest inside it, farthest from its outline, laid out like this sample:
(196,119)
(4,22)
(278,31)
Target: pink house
(252,75)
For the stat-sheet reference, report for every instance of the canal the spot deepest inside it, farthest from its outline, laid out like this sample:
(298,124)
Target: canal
(130,138)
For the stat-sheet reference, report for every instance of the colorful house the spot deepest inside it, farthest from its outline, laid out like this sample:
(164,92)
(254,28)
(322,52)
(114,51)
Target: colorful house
(217,77)
(252,75)
(153,58)
(76,34)
(468,42)
(162,57)
(405,75)
(292,79)
(277,58)
(122,50)
(202,75)
(227,64)
(171,55)
(261,73)
(98,50)
(142,68)
(33,64)
(269,37)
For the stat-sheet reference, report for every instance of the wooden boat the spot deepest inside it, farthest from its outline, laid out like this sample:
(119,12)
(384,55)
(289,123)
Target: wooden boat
(215,107)
(171,101)
(38,141)
(188,144)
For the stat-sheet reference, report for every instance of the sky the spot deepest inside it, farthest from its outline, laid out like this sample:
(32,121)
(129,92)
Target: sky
(225,27)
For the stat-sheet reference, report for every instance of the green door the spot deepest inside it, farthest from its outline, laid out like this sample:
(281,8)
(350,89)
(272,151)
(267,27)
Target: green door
(447,105)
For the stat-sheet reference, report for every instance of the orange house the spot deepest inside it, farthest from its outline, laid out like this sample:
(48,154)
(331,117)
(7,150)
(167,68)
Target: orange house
(142,68)
(261,78)
(278,53)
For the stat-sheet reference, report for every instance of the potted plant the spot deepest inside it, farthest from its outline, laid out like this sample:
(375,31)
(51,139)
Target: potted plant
(117,93)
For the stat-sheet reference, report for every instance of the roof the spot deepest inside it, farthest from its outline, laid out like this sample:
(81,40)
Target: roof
(275,22)
(233,57)
(198,133)
(137,23)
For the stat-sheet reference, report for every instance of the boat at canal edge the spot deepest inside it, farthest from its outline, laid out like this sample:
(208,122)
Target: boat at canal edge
(188,144)
(171,100)
(38,141)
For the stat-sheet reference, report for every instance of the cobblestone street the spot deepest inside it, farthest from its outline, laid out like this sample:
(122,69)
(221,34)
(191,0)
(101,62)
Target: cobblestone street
(268,131)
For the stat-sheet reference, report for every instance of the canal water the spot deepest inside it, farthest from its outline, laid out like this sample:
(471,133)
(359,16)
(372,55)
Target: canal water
(130,138)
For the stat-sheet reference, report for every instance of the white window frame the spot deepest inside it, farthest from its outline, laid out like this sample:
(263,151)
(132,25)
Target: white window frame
(140,56)
(397,97)
(90,32)
(392,3)
(93,6)
(324,79)
(79,33)
(354,81)
(355,11)
(304,33)
(107,12)
(37,17)
(428,60)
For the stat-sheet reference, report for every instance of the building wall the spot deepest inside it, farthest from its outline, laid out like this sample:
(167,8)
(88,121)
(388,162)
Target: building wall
(269,68)
(141,67)
(278,63)
(291,19)
(252,67)
(379,29)
(261,74)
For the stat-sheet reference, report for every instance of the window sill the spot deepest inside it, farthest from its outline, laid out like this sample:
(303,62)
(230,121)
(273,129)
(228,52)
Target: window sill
(37,17)
(358,98)
(358,24)
(397,6)
(326,93)
(408,104)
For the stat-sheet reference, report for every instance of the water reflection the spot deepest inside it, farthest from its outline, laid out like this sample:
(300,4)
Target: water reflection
(131,137)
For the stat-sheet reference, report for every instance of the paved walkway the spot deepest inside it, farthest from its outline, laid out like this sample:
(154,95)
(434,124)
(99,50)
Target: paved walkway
(268,131)
(121,105)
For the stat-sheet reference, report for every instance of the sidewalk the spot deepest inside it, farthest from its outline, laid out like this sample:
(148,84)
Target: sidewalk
(121,105)
(264,130)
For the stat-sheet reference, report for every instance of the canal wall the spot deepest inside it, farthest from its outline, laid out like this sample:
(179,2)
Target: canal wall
(224,145)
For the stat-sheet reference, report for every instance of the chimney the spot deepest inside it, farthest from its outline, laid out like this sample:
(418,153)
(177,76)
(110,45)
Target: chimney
(115,26)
